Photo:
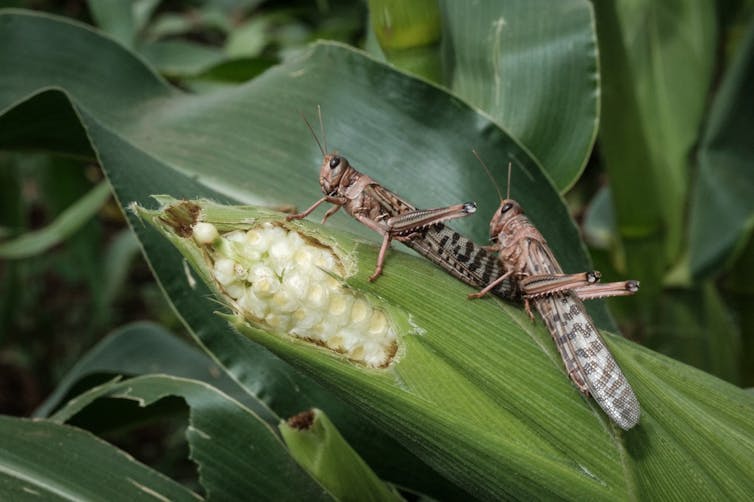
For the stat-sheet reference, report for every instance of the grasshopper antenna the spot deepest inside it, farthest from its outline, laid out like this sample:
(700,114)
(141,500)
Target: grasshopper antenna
(489,174)
(314,134)
(508,195)
(322,127)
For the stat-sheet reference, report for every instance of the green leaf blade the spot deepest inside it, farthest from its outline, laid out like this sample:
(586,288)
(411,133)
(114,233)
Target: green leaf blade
(251,462)
(532,66)
(71,219)
(42,458)
(721,202)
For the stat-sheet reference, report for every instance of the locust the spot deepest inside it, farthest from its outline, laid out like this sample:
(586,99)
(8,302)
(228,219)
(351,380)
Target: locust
(527,260)
(393,217)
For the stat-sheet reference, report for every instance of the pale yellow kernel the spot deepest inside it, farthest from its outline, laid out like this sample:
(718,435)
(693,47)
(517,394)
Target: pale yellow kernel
(304,321)
(325,260)
(317,296)
(251,255)
(259,271)
(378,323)
(235,289)
(320,331)
(296,283)
(304,257)
(280,250)
(265,287)
(359,311)
(331,282)
(205,233)
(277,321)
(339,304)
(256,239)
(282,301)
(350,338)
(274,233)
(223,271)
(334,342)
(357,353)
(295,240)
(235,236)
(250,304)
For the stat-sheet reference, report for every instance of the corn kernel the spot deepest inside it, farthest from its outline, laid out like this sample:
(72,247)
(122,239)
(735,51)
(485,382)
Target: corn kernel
(205,233)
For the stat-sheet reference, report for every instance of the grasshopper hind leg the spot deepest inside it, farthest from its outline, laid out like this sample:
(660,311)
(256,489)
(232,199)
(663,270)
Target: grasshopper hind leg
(381,257)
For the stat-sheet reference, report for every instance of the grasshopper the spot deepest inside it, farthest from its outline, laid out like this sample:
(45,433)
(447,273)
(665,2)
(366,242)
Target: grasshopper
(527,259)
(394,218)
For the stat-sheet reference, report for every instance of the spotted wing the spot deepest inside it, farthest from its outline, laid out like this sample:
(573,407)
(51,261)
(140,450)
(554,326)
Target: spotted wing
(391,204)
(589,363)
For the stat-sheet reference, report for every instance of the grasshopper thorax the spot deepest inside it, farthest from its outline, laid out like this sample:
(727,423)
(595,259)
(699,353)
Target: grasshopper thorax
(331,172)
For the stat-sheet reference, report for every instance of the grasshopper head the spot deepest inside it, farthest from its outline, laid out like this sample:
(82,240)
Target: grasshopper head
(331,172)
(507,210)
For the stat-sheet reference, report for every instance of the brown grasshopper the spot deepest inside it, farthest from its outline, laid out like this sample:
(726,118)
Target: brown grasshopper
(394,218)
(526,258)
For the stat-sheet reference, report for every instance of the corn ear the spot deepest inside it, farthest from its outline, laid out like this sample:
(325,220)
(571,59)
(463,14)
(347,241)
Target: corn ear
(476,390)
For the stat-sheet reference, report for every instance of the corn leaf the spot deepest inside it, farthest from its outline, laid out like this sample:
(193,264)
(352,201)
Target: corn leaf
(43,460)
(479,393)
(252,462)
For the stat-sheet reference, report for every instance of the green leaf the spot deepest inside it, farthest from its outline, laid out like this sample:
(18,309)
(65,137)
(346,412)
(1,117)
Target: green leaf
(122,20)
(722,208)
(656,64)
(252,462)
(694,326)
(599,220)
(532,66)
(317,445)
(181,58)
(141,348)
(234,71)
(249,39)
(48,119)
(42,460)
(119,255)
(38,241)
(409,34)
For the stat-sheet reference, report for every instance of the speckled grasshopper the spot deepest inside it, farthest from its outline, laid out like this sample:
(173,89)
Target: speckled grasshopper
(526,258)
(394,218)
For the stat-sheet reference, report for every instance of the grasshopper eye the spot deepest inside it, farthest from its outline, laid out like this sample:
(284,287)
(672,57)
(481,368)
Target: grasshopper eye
(334,162)
(506,207)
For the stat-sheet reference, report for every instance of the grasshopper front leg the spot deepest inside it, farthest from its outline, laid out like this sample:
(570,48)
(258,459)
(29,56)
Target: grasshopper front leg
(336,201)
(301,216)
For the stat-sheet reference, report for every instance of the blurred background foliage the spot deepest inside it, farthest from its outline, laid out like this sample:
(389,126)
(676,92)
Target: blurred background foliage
(666,195)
